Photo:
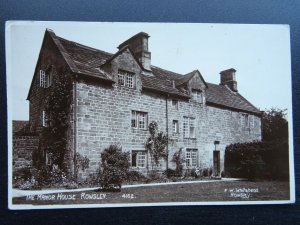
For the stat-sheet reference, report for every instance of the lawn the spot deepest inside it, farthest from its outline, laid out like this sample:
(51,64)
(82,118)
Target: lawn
(175,192)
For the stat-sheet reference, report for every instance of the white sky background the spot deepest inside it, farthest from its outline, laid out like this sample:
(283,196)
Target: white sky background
(259,53)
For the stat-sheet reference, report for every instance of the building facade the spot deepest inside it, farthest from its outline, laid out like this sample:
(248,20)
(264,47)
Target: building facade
(114,97)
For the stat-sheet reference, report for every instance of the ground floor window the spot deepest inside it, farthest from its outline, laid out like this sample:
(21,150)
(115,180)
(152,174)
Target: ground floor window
(191,157)
(139,159)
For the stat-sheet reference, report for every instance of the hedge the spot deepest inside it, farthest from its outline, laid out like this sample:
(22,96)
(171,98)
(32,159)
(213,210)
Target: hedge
(264,160)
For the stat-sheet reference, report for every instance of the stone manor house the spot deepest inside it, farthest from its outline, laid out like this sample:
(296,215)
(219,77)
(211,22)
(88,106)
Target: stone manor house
(116,96)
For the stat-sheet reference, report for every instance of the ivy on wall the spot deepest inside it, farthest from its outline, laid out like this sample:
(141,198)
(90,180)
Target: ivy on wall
(57,107)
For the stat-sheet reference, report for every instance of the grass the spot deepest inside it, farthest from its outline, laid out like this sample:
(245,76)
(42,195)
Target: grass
(189,192)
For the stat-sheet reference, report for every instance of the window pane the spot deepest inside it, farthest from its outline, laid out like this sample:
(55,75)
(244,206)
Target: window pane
(121,79)
(141,159)
(133,119)
(192,128)
(129,82)
(185,127)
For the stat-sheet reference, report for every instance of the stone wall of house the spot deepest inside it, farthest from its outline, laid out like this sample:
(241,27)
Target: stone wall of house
(23,146)
(104,118)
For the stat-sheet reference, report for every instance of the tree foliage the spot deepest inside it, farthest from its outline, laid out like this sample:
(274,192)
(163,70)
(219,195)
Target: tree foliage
(114,167)
(274,125)
(156,144)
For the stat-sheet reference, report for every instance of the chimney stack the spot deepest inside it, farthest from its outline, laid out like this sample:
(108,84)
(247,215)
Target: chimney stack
(228,78)
(139,45)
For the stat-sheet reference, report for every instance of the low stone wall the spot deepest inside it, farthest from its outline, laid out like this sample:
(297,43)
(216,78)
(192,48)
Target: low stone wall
(23,147)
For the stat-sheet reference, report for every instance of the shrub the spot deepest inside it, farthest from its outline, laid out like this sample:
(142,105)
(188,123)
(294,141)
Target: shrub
(170,173)
(133,176)
(114,168)
(178,160)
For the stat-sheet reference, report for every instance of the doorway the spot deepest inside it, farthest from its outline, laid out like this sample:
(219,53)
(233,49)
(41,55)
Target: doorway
(216,159)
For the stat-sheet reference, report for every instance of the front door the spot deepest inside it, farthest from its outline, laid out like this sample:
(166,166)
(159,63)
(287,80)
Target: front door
(216,171)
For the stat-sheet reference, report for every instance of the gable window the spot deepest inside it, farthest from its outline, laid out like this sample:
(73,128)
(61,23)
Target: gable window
(45,78)
(125,78)
(139,159)
(175,127)
(189,127)
(174,104)
(191,156)
(139,120)
(198,96)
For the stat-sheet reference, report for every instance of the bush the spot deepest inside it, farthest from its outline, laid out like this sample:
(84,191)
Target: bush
(114,168)
(178,160)
(170,173)
(133,176)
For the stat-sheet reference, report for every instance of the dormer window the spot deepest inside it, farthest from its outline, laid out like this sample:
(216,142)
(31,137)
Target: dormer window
(45,78)
(198,96)
(125,78)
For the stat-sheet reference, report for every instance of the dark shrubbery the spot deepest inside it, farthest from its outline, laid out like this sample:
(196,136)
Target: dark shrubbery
(267,160)
(135,176)
(114,168)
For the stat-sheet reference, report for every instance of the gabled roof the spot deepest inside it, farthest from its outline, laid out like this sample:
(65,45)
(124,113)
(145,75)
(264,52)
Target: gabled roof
(189,76)
(119,53)
(86,61)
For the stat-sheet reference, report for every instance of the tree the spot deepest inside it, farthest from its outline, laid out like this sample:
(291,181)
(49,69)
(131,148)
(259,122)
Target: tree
(156,144)
(274,125)
(114,167)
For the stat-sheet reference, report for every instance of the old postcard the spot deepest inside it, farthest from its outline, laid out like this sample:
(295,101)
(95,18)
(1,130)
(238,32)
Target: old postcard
(148,114)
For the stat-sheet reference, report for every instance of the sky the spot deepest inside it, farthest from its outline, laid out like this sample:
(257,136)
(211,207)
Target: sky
(259,53)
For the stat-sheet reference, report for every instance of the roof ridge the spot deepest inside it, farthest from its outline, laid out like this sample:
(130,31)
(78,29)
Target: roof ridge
(166,70)
(85,46)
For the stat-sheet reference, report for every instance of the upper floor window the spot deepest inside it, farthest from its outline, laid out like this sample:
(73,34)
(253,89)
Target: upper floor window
(44,119)
(139,120)
(125,78)
(189,127)
(175,104)
(245,120)
(175,127)
(45,78)
(198,96)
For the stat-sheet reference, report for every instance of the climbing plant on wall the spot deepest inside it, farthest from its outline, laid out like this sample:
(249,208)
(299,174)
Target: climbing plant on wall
(57,109)
(156,144)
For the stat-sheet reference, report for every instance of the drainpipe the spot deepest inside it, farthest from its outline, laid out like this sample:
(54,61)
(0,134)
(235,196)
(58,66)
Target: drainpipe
(75,127)
(167,132)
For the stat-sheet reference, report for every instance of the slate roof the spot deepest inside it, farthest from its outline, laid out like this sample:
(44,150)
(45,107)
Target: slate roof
(221,95)
(86,60)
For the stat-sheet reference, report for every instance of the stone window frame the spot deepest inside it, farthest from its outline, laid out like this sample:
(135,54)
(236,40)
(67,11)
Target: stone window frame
(191,157)
(140,159)
(126,78)
(189,126)
(139,120)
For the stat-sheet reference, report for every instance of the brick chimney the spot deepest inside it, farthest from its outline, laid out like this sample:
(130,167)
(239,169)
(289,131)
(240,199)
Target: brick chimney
(228,78)
(139,45)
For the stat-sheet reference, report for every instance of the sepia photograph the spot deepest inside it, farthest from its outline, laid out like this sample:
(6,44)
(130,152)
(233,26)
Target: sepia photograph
(148,114)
